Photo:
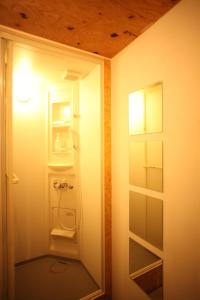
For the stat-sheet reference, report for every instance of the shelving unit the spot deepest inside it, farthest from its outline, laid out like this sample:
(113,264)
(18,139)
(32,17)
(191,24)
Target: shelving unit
(63,133)
(60,128)
(60,124)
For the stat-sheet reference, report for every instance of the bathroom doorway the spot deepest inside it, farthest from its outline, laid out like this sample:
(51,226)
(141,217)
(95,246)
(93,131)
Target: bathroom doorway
(55,174)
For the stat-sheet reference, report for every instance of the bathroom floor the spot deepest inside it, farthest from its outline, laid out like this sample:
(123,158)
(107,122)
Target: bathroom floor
(52,278)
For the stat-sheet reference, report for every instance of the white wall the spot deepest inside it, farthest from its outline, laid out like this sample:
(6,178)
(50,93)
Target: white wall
(170,52)
(31,232)
(90,164)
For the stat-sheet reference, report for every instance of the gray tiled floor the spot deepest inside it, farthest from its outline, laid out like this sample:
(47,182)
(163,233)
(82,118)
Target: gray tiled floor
(51,278)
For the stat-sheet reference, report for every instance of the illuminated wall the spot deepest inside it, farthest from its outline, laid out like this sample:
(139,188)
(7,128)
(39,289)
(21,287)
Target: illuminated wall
(167,52)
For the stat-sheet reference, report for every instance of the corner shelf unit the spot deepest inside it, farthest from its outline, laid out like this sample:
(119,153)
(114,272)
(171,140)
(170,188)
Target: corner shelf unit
(60,128)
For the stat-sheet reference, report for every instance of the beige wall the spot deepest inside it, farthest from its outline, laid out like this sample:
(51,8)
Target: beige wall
(169,52)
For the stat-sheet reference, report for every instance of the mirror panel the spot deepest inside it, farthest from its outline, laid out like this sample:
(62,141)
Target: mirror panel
(137,162)
(154,217)
(145,165)
(146,171)
(140,257)
(153,108)
(145,110)
(137,214)
(154,178)
(146,218)
(145,268)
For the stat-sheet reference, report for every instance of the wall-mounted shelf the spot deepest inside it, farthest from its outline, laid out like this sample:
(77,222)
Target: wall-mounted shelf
(147,268)
(60,166)
(63,233)
(60,124)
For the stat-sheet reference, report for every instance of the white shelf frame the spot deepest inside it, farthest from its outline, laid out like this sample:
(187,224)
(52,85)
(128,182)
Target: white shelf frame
(146,269)
(158,252)
(56,125)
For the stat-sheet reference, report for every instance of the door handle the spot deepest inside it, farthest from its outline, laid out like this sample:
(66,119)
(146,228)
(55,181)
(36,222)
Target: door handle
(15,179)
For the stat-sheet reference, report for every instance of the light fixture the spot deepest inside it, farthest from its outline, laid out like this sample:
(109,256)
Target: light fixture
(24,80)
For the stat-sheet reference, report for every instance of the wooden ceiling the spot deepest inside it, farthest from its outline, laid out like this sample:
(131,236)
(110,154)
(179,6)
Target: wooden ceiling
(100,26)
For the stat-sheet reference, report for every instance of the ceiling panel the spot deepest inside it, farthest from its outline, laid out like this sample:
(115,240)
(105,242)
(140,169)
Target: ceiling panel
(100,26)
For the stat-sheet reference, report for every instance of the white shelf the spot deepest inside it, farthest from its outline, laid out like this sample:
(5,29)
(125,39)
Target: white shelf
(69,234)
(60,124)
(59,166)
(60,152)
(147,192)
(67,151)
(158,252)
(146,269)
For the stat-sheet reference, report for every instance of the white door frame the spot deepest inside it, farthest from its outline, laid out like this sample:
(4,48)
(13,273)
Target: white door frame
(12,35)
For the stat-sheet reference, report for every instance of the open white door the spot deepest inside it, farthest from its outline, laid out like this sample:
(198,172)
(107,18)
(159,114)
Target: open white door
(9,173)
(90,165)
